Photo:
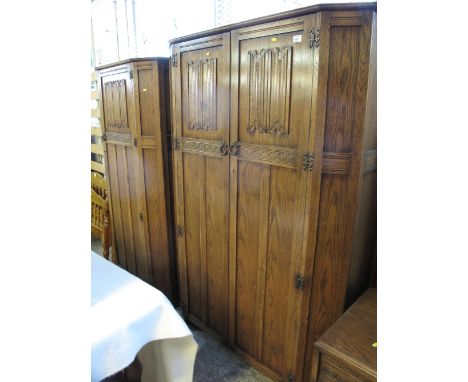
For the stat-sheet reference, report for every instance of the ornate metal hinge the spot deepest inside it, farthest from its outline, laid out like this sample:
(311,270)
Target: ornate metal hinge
(291,377)
(308,161)
(314,38)
(224,148)
(174,60)
(234,148)
(176,143)
(299,281)
(180,231)
(141,216)
(131,74)
(104,137)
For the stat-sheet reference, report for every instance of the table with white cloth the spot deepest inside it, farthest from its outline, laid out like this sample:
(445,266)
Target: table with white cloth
(127,315)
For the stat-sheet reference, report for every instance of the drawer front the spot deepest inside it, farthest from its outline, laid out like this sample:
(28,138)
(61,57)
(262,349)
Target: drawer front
(334,370)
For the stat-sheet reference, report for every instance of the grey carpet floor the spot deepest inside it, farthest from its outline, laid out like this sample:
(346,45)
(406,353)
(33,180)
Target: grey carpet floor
(215,362)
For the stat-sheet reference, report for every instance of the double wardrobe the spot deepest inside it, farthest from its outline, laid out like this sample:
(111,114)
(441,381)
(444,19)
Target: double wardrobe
(274,138)
(272,160)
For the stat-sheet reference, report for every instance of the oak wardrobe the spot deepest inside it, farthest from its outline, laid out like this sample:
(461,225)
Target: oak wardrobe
(274,137)
(135,112)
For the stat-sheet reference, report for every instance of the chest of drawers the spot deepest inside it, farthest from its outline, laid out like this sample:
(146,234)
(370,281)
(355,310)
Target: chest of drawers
(346,350)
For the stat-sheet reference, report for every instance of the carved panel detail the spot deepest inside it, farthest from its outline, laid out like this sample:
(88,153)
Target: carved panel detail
(270,90)
(118,138)
(202,94)
(204,146)
(279,156)
(115,104)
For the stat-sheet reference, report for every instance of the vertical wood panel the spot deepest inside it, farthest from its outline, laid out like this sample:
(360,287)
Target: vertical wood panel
(201,173)
(365,238)
(217,186)
(155,212)
(126,208)
(248,229)
(149,118)
(263,227)
(116,212)
(342,81)
(141,256)
(328,272)
(192,164)
(281,226)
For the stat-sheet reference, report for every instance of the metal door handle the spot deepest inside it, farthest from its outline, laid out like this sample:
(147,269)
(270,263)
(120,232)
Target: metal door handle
(224,148)
(234,148)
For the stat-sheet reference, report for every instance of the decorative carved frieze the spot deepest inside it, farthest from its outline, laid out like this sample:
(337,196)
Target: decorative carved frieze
(274,155)
(202,94)
(204,146)
(118,138)
(270,90)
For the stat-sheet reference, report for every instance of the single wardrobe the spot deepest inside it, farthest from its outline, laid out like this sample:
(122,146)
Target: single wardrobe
(135,105)
(275,167)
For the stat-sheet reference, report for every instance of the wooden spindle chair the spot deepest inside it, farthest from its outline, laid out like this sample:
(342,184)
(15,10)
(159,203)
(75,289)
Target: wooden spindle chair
(100,215)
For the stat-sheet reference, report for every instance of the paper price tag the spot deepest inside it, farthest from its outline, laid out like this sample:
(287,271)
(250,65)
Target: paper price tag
(297,38)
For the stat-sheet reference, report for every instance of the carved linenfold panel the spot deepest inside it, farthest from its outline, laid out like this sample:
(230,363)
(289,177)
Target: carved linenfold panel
(336,163)
(279,156)
(115,104)
(270,90)
(202,94)
(370,160)
(118,138)
(203,146)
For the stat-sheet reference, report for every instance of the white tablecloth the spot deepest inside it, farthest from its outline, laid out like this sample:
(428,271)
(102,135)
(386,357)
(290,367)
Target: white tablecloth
(126,315)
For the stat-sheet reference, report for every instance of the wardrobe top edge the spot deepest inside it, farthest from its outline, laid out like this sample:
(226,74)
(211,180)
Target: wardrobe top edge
(130,60)
(278,16)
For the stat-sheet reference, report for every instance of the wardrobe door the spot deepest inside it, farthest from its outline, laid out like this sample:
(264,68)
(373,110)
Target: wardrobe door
(200,84)
(272,82)
(119,130)
(150,92)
